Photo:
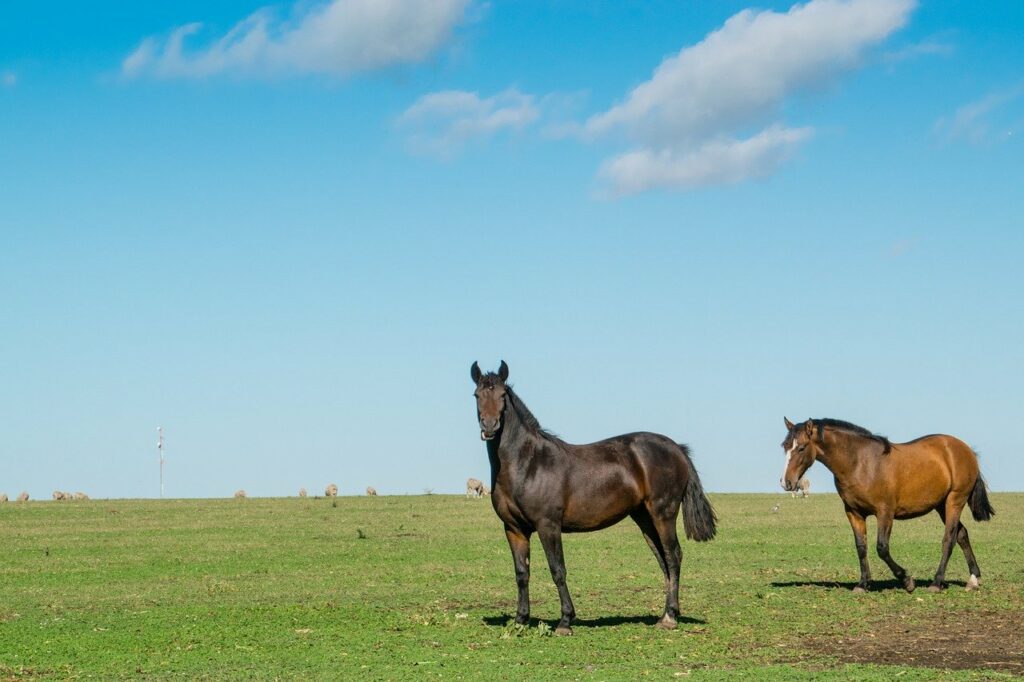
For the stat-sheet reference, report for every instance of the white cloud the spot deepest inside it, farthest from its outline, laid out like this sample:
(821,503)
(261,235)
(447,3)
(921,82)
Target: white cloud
(443,122)
(339,37)
(926,48)
(8,79)
(975,122)
(737,78)
(720,161)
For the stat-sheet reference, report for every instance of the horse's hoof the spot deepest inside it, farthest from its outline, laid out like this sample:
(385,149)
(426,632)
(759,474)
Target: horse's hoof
(523,621)
(563,631)
(973,583)
(935,588)
(909,585)
(859,590)
(667,623)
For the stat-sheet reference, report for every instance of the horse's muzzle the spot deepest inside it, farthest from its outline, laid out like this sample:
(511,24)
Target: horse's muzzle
(487,435)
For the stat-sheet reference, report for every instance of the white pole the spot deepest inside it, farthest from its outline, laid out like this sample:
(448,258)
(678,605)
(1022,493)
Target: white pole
(160,449)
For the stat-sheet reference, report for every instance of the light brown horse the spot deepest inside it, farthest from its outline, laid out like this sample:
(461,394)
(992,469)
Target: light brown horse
(893,481)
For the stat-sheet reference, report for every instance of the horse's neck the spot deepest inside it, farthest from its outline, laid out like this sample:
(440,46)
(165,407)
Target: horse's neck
(840,454)
(510,439)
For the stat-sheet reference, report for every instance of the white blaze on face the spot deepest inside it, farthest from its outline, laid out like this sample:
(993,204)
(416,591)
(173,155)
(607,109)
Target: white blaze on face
(789,456)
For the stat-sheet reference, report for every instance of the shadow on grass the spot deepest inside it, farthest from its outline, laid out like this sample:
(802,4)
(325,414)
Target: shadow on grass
(606,621)
(873,586)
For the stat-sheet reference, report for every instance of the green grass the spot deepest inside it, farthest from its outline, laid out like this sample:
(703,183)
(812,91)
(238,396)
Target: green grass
(287,588)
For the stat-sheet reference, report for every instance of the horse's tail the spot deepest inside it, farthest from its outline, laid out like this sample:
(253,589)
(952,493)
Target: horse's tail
(981,508)
(699,517)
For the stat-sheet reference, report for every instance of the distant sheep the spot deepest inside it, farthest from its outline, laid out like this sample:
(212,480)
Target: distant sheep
(239,494)
(474,487)
(302,492)
(331,491)
(371,491)
(81,496)
(803,488)
(59,496)
(23,497)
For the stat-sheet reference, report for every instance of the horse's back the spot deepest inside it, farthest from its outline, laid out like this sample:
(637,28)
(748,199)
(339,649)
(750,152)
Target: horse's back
(942,451)
(928,469)
(618,475)
(651,454)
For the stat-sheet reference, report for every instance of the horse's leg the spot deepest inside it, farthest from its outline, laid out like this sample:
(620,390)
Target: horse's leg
(673,554)
(646,525)
(860,539)
(551,538)
(951,518)
(972,564)
(884,529)
(519,543)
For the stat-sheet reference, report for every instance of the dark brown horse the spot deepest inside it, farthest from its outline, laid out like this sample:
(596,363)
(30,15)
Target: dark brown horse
(541,483)
(893,481)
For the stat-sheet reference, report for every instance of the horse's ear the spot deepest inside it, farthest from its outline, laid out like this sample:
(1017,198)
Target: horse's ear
(809,428)
(474,372)
(789,424)
(503,372)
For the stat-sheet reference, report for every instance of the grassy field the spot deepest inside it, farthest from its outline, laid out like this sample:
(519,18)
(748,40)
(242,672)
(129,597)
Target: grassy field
(422,586)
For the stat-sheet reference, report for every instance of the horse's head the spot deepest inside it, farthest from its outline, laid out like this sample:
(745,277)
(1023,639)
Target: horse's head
(802,446)
(490,399)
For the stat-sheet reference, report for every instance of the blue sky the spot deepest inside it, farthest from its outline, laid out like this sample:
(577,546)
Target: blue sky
(285,232)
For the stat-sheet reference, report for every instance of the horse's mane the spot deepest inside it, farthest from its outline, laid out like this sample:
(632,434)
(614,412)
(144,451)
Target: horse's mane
(528,420)
(853,429)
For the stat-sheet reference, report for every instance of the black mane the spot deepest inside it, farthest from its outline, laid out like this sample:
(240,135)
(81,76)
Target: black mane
(840,425)
(527,418)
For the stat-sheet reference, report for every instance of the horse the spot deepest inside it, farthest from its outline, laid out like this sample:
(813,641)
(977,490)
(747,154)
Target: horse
(803,489)
(474,487)
(542,484)
(371,491)
(893,481)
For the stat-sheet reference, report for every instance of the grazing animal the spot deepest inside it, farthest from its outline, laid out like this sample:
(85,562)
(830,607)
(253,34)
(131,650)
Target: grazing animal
(331,490)
(803,487)
(3,497)
(485,492)
(302,492)
(371,491)
(59,496)
(543,484)
(23,497)
(893,481)
(81,496)
(239,494)
(474,487)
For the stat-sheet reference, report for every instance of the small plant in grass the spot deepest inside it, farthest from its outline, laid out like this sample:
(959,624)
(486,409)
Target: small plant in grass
(515,630)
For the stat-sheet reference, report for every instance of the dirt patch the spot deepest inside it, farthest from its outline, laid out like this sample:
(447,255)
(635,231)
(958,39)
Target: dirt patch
(956,640)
